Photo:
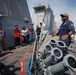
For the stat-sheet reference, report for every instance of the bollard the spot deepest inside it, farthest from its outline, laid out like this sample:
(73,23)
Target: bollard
(55,56)
(68,62)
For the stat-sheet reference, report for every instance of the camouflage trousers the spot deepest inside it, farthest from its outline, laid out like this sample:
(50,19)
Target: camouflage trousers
(2,44)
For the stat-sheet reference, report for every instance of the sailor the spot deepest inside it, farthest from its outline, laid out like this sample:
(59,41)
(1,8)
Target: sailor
(2,38)
(66,29)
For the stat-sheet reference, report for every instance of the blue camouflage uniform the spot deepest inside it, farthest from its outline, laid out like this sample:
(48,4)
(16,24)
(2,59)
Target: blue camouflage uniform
(65,28)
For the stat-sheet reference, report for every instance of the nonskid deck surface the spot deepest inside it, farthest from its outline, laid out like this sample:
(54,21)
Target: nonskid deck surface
(10,61)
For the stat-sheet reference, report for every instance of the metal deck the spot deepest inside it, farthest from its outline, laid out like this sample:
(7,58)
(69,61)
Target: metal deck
(11,61)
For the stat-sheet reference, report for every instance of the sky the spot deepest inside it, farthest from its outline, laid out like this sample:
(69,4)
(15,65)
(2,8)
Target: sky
(58,7)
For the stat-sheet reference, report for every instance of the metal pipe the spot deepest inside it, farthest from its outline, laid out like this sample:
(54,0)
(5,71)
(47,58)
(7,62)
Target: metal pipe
(46,51)
(56,55)
(68,62)
(62,46)
(52,42)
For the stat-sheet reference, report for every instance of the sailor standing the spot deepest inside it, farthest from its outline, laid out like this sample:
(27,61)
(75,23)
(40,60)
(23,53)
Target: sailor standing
(66,29)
